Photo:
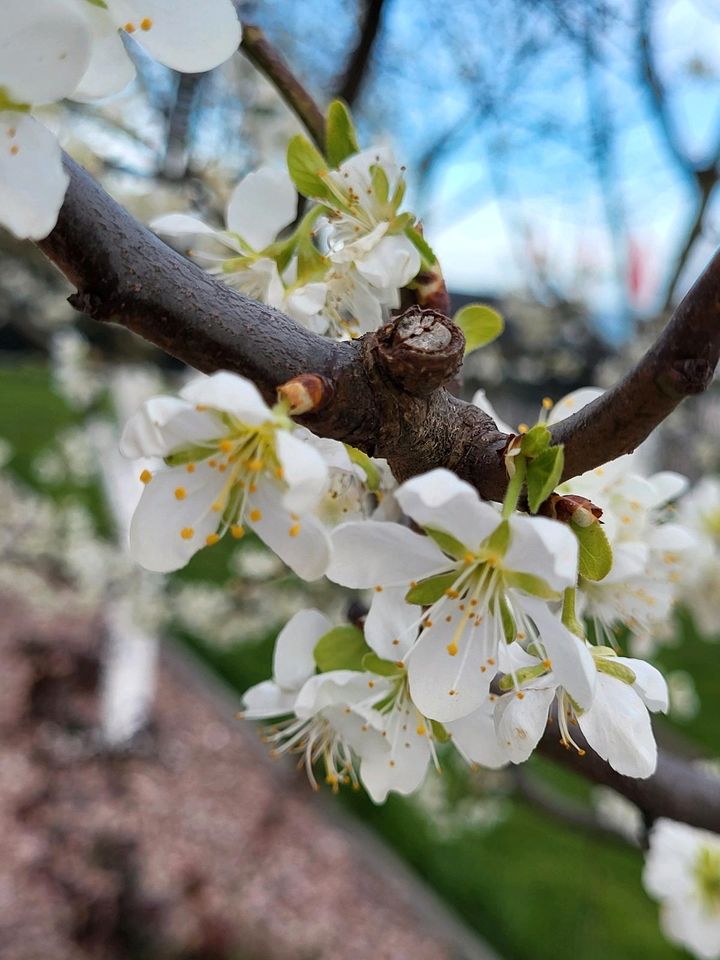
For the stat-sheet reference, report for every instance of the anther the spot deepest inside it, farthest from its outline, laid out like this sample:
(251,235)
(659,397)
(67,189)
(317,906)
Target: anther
(187,533)
(146,476)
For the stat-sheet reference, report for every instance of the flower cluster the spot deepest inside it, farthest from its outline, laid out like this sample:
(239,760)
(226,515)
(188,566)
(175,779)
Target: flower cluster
(341,269)
(53,49)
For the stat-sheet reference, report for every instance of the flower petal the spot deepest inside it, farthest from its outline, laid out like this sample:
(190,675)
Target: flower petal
(110,69)
(266,700)
(303,544)
(167,530)
(650,684)
(391,625)
(304,471)
(393,262)
(573,402)
(402,769)
(370,553)
(164,424)
(230,393)
(260,206)
(32,179)
(617,726)
(181,225)
(44,50)
(184,35)
(520,720)
(476,738)
(293,660)
(440,500)
(544,548)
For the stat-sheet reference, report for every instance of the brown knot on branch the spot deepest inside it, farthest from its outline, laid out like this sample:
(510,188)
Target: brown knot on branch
(421,350)
(306,393)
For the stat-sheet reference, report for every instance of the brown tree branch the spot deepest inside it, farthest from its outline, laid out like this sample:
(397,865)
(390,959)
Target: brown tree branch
(679,789)
(263,55)
(356,70)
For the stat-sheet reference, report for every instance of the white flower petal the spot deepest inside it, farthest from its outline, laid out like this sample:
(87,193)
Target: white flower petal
(230,393)
(338,688)
(544,548)
(670,859)
(260,206)
(304,471)
(156,539)
(32,179)
(181,225)
(266,700)
(370,553)
(403,768)
(303,544)
(391,624)
(393,262)
(44,50)
(573,402)
(476,739)
(480,399)
(185,35)
(448,686)
(164,424)
(572,663)
(293,660)
(617,726)
(440,500)
(688,922)
(520,721)
(650,684)
(110,69)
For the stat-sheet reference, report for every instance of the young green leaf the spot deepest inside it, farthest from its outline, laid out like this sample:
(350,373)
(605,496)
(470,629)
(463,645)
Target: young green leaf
(543,475)
(340,137)
(341,648)
(595,551)
(536,440)
(307,168)
(480,324)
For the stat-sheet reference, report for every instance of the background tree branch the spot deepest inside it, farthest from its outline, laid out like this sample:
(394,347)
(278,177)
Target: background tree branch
(357,68)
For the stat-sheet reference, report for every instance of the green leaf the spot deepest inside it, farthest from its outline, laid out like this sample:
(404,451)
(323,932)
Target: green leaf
(480,324)
(421,244)
(341,648)
(307,168)
(447,543)
(543,475)
(340,137)
(595,551)
(536,440)
(384,668)
(428,591)
(614,669)
(362,460)
(531,584)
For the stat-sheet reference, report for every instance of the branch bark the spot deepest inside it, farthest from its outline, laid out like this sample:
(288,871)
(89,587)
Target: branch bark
(356,70)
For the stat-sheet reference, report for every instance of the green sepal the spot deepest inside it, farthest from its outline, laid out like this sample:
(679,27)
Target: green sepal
(428,591)
(439,732)
(236,263)
(190,455)
(311,264)
(595,551)
(529,583)
(340,137)
(98,3)
(380,184)
(507,682)
(618,670)
(496,545)
(480,324)
(536,440)
(508,621)
(447,543)
(341,648)
(543,475)
(307,168)
(384,668)
(421,245)
(362,460)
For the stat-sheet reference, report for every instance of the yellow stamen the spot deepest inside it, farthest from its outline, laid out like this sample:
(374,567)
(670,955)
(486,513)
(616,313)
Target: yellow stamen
(180,493)
(255,515)
(187,533)
(146,24)
(256,464)
(146,476)
(237,531)
(129,27)
(226,446)
(452,649)
(190,467)
(211,539)
(294,530)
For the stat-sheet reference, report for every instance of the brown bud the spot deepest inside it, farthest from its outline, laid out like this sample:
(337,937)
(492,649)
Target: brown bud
(306,393)
(421,350)
(580,510)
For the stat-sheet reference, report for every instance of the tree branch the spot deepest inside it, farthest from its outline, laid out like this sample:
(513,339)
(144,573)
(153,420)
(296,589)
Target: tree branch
(261,53)
(356,70)
(679,789)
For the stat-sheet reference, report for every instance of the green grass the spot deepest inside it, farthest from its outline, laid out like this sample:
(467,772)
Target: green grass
(532,887)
